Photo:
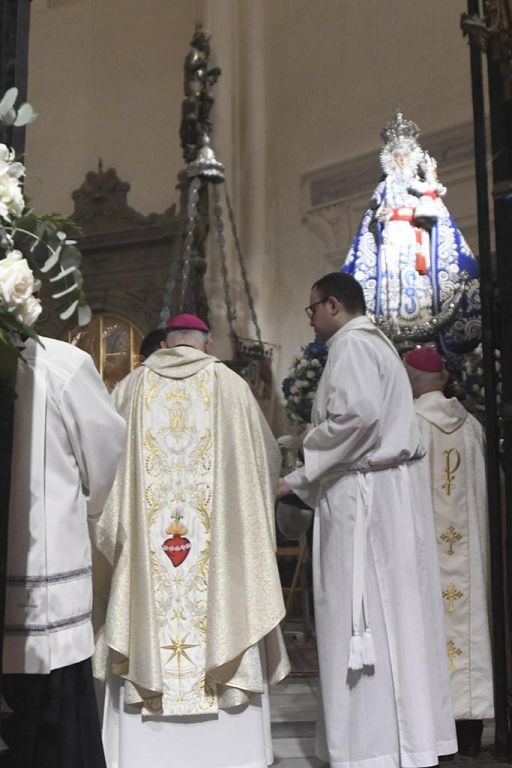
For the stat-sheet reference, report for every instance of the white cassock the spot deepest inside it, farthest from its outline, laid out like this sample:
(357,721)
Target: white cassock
(374,547)
(455,447)
(236,738)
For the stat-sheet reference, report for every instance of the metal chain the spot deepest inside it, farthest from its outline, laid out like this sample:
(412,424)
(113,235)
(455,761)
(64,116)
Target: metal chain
(243,269)
(221,241)
(193,197)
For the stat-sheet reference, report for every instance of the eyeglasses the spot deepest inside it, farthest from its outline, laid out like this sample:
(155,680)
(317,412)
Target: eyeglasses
(310,311)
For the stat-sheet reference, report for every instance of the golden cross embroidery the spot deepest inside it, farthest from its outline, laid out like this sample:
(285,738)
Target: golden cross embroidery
(449,469)
(453,652)
(451,593)
(450,537)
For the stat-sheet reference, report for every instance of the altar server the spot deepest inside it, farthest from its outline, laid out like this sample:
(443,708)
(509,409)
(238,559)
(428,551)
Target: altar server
(455,446)
(381,644)
(67,441)
(192,636)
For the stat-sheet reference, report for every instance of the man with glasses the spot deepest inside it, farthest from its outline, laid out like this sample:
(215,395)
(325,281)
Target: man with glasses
(381,643)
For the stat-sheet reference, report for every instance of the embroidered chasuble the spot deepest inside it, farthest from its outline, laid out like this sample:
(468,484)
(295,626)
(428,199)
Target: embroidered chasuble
(455,458)
(178,476)
(188,536)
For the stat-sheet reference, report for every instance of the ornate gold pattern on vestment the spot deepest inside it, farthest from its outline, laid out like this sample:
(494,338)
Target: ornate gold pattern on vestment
(450,537)
(453,652)
(178,439)
(452,463)
(451,594)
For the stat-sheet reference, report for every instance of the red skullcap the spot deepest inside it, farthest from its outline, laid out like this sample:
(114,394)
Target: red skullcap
(187,322)
(425,359)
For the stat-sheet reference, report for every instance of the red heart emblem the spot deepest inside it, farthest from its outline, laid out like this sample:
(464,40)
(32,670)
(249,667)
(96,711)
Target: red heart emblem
(176,548)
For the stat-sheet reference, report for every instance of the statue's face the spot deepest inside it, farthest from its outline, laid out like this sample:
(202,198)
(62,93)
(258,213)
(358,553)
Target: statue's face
(402,157)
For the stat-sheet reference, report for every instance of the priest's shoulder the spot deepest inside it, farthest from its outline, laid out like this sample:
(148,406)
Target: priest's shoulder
(58,357)
(229,377)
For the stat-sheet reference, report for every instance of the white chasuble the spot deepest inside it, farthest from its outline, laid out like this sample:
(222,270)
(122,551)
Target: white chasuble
(456,462)
(178,473)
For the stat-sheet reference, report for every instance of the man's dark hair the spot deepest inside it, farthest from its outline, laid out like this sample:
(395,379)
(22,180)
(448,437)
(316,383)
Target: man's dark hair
(151,342)
(343,287)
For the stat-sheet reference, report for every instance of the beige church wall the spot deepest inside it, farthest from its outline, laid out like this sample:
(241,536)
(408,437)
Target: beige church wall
(106,77)
(307,86)
(335,73)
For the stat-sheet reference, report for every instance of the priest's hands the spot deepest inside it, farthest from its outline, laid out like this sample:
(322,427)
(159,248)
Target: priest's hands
(283,489)
(306,432)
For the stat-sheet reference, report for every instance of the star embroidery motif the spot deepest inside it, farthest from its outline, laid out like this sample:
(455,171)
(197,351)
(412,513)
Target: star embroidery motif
(179,650)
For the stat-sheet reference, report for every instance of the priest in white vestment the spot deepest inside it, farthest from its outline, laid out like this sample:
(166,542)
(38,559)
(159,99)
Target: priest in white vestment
(381,642)
(67,440)
(191,639)
(454,441)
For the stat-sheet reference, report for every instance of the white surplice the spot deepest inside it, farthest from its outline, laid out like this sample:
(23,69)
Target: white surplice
(455,448)
(374,545)
(67,441)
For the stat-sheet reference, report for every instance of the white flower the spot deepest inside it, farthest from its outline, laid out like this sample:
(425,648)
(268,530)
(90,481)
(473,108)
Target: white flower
(30,311)
(6,153)
(16,280)
(311,374)
(11,197)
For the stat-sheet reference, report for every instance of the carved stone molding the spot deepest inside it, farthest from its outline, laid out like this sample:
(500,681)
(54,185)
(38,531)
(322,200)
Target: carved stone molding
(127,256)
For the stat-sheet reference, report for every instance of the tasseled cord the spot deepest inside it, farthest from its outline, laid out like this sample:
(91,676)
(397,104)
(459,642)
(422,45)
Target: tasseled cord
(367,648)
(362,648)
(355,657)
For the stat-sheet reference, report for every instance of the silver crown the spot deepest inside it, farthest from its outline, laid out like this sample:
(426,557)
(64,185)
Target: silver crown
(206,165)
(399,129)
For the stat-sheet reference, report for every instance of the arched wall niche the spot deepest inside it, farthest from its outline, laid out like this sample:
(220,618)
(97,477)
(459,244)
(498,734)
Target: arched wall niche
(113,343)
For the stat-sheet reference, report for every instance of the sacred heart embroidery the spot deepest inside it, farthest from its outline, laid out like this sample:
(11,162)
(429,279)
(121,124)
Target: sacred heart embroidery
(177,546)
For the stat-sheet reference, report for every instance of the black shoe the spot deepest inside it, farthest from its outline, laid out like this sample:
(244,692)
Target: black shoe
(469,750)
(469,736)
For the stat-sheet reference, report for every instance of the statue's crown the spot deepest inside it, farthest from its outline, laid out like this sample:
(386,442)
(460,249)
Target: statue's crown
(398,129)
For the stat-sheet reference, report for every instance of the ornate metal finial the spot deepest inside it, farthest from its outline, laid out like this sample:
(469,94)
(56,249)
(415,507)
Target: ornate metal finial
(206,165)
(399,129)
(198,101)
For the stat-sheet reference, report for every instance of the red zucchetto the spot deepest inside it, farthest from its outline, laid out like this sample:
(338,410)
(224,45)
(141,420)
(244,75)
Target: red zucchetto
(187,322)
(425,359)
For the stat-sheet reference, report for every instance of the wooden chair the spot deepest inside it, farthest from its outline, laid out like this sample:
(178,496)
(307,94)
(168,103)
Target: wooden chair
(293,523)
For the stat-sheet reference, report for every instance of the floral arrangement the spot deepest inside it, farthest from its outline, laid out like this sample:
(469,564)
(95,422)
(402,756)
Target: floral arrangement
(300,386)
(472,379)
(31,248)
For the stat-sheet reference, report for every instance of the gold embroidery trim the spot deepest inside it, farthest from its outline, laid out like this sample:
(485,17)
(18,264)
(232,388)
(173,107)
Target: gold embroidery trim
(450,537)
(450,469)
(453,652)
(451,594)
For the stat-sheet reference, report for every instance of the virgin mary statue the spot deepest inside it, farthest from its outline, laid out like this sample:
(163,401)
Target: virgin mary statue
(418,274)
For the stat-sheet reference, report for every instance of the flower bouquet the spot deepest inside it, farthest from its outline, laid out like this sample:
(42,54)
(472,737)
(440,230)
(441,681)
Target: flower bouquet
(300,386)
(31,248)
